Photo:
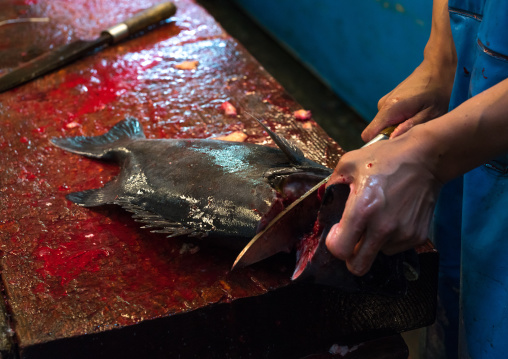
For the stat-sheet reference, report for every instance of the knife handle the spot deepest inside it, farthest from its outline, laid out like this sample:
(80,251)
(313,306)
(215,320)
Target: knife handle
(142,20)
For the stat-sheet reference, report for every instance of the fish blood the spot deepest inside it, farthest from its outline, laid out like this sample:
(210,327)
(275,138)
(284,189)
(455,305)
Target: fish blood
(306,248)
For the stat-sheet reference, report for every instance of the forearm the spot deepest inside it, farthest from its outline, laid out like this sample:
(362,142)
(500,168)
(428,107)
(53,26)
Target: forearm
(440,48)
(470,135)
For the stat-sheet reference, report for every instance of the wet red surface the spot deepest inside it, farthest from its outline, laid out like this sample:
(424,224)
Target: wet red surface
(69,271)
(98,267)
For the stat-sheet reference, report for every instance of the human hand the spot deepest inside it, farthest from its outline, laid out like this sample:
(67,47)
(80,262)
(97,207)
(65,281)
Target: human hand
(390,205)
(421,97)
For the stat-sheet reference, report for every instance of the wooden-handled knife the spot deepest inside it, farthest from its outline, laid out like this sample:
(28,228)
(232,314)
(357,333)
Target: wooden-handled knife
(73,51)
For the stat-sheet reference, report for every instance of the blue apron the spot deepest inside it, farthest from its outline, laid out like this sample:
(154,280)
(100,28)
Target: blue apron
(471,219)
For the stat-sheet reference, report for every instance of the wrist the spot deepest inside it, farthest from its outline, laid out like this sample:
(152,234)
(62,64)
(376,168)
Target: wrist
(440,72)
(442,56)
(429,151)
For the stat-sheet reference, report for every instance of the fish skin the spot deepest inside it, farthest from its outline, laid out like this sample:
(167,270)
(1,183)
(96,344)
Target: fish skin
(195,187)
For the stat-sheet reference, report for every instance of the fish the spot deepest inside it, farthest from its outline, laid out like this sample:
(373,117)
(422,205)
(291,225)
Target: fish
(221,191)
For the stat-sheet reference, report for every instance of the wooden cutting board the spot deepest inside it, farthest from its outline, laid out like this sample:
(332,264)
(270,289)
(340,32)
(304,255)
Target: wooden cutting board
(90,282)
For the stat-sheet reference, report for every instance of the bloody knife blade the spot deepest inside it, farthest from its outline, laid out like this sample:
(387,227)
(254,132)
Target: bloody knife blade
(73,51)
(280,234)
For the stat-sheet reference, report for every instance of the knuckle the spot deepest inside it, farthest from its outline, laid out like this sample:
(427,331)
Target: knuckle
(344,163)
(382,100)
(386,229)
(393,100)
(371,248)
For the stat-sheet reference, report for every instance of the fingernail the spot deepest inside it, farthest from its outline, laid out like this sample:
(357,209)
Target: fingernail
(356,269)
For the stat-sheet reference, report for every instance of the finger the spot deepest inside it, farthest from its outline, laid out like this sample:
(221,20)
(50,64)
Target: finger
(393,112)
(381,121)
(403,243)
(343,236)
(420,117)
(412,233)
(393,247)
(401,239)
(346,169)
(364,255)
(336,245)
(370,131)
(382,101)
(402,128)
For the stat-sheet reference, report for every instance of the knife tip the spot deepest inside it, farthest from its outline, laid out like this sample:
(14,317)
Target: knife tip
(238,263)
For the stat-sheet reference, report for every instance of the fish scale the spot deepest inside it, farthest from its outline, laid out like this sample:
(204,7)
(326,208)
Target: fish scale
(201,188)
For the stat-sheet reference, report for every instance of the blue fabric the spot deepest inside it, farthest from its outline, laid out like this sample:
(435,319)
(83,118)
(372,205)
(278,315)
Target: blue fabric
(447,237)
(477,223)
(484,276)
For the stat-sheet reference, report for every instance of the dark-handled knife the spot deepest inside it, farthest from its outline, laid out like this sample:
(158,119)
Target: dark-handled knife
(73,51)
(276,237)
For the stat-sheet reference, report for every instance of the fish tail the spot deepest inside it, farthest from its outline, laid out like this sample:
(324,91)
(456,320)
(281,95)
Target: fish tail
(102,146)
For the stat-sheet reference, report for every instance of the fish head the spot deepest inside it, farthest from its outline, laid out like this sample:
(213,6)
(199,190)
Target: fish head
(388,275)
(290,184)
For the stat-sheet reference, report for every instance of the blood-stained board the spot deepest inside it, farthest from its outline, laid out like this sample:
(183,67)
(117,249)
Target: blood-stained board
(91,282)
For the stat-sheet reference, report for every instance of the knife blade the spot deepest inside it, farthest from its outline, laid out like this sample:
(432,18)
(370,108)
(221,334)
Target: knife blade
(73,51)
(280,235)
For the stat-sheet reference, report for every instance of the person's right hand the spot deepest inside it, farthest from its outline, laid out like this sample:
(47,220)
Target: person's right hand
(393,191)
(421,97)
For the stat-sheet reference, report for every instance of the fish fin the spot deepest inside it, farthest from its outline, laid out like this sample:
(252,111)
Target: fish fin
(154,220)
(95,197)
(102,146)
(88,198)
(293,153)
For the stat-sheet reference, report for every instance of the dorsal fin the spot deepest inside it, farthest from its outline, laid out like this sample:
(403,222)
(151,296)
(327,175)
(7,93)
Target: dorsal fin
(293,153)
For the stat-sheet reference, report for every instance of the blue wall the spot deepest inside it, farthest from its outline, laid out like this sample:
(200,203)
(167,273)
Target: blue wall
(361,48)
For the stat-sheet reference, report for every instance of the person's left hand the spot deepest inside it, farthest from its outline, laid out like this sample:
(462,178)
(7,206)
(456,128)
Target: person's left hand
(390,206)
